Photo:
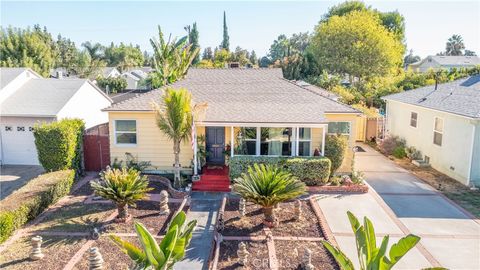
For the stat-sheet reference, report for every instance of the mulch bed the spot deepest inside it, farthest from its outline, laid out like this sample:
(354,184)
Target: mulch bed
(258,259)
(290,254)
(147,213)
(113,257)
(252,223)
(57,250)
(157,186)
(84,190)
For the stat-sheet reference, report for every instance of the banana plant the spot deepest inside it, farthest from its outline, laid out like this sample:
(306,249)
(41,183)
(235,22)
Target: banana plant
(163,256)
(370,256)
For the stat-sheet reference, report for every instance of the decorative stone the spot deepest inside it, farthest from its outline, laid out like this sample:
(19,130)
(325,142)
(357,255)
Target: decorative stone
(164,210)
(242,207)
(242,253)
(95,259)
(346,180)
(36,253)
(307,260)
(298,210)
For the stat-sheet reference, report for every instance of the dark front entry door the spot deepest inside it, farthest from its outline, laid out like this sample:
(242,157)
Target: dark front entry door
(215,144)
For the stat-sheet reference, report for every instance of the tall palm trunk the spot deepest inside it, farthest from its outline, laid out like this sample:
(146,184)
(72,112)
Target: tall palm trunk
(176,152)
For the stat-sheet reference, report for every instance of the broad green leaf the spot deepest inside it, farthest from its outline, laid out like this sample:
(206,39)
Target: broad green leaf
(342,260)
(178,220)
(370,241)
(135,253)
(398,250)
(154,255)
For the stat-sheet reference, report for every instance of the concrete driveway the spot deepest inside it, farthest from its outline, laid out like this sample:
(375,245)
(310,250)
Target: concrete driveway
(13,177)
(400,204)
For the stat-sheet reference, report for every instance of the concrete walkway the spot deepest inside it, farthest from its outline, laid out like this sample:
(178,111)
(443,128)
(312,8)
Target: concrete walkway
(399,204)
(13,177)
(204,208)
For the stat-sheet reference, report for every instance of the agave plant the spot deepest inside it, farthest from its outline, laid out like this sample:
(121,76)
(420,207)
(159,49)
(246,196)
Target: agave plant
(370,256)
(123,187)
(267,186)
(152,255)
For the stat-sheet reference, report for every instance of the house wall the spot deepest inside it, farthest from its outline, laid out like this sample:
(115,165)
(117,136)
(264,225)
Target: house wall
(86,104)
(454,156)
(152,144)
(475,171)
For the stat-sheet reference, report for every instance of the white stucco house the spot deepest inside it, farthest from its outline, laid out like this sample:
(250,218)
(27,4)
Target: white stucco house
(444,62)
(443,123)
(110,72)
(26,99)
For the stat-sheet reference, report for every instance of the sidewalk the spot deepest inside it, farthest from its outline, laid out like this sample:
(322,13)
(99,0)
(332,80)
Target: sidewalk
(398,204)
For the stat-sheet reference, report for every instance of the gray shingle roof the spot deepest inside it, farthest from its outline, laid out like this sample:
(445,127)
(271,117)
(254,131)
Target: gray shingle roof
(8,74)
(246,96)
(460,97)
(41,97)
(456,60)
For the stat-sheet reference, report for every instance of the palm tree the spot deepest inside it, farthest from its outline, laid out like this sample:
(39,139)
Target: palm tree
(369,255)
(267,186)
(123,187)
(455,45)
(152,255)
(174,118)
(94,50)
(171,59)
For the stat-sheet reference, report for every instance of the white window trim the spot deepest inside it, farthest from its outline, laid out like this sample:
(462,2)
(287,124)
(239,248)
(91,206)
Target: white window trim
(257,146)
(442,132)
(304,140)
(115,133)
(349,127)
(416,121)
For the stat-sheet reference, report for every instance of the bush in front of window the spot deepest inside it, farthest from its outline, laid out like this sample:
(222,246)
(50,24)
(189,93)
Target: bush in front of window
(30,200)
(311,171)
(335,148)
(59,144)
(240,164)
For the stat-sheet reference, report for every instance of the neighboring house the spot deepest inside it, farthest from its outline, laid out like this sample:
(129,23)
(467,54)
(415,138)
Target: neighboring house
(249,111)
(110,72)
(318,90)
(135,79)
(445,62)
(444,124)
(27,99)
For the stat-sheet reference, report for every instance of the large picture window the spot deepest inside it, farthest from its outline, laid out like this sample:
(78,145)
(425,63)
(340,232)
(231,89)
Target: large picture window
(245,141)
(304,141)
(276,141)
(339,128)
(438,131)
(125,132)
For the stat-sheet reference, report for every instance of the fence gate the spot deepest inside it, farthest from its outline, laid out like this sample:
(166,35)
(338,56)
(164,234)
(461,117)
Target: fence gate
(96,148)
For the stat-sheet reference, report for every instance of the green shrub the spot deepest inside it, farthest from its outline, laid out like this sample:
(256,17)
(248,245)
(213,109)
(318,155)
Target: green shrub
(399,152)
(310,171)
(59,144)
(30,200)
(389,144)
(335,148)
(131,162)
(114,84)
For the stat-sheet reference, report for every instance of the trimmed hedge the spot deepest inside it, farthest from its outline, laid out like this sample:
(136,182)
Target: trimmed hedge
(310,170)
(59,144)
(335,149)
(30,200)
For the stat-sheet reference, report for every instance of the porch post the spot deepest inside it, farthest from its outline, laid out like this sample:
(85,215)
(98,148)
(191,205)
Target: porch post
(231,141)
(297,135)
(323,140)
(195,149)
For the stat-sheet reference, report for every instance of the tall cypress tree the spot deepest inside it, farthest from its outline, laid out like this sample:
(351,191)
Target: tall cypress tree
(193,39)
(226,40)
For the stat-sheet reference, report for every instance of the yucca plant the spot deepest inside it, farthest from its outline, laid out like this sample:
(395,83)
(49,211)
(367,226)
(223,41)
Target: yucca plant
(267,186)
(152,255)
(123,187)
(370,256)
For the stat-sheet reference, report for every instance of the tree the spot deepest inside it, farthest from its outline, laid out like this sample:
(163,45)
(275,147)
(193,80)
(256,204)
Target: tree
(86,67)
(241,56)
(32,48)
(193,40)
(124,56)
(410,59)
(123,187)
(470,53)
(171,249)
(335,148)
(253,58)
(279,49)
(268,186)
(66,53)
(174,118)
(369,255)
(455,45)
(221,58)
(114,84)
(264,62)
(207,54)
(95,50)
(356,44)
(226,39)
(171,59)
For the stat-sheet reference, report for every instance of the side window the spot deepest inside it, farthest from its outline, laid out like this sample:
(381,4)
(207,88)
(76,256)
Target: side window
(125,132)
(413,119)
(438,131)
(339,128)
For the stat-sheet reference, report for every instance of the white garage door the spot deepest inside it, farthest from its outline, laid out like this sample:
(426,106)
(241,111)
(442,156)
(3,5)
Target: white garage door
(18,143)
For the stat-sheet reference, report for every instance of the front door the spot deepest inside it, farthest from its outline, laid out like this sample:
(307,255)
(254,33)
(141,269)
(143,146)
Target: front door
(215,137)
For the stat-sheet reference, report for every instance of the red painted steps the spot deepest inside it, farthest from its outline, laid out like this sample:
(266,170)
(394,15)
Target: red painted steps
(214,178)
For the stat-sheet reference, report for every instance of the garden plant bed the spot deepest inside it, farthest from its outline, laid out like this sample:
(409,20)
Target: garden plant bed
(258,259)
(338,189)
(290,253)
(57,249)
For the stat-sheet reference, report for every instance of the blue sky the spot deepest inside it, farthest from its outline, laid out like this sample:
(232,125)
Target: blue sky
(252,25)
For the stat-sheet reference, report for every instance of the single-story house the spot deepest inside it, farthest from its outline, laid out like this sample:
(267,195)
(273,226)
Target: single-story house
(436,62)
(27,99)
(443,123)
(110,72)
(135,79)
(249,112)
